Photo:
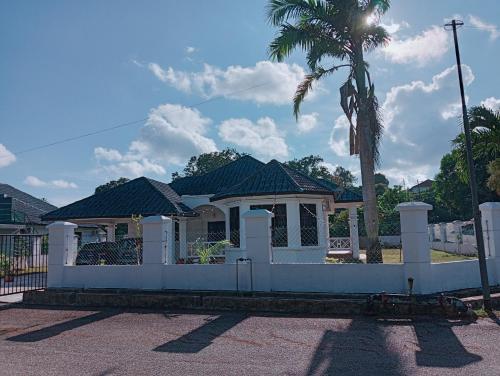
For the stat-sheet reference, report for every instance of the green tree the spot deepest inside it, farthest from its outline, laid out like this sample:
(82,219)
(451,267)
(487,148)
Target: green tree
(344,177)
(381,183)
(338,31)
(111,184)
(206,162)
(493,182)
(312,166)
(451,192)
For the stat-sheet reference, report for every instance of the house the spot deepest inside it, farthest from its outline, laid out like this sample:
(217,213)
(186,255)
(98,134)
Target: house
(20,212)
(209,208)
(422,187)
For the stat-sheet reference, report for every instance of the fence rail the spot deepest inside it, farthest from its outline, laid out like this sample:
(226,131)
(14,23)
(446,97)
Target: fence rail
(23,263)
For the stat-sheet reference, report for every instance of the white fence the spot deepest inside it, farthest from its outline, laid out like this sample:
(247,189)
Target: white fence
(456,237)
(261,273)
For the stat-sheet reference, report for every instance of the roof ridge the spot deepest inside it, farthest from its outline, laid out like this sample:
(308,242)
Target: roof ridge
(285,170)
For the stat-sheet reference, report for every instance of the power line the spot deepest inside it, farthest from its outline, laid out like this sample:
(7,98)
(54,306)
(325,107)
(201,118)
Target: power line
(127,124)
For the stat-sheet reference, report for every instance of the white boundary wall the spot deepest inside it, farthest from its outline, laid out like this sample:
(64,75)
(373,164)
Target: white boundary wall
(157,274)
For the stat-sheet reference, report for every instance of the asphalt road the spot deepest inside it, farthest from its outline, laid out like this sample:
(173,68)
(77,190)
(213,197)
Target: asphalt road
(68,342)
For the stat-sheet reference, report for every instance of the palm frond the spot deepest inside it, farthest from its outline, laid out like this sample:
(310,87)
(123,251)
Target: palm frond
(279,11)
(306,85)
(375,124)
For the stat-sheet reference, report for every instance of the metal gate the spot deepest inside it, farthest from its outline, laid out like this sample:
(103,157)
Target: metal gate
(23,263)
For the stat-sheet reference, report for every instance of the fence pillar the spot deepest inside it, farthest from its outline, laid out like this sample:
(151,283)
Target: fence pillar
(415,243)
(490,215)
(258,245)
(62,251)
(156,231)
(182,238)
(110,232)
(353,231)
(442,233)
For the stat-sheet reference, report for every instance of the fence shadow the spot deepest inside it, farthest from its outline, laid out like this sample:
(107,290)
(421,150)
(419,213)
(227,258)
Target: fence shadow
(360,349)
(203,336)
(54,330)
(440,347)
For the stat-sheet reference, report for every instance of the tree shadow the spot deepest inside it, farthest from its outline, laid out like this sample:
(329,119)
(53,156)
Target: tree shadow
(54,330)
(203,336)
(360,348)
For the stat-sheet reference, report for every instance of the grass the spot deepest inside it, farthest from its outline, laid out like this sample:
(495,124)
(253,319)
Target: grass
(395,256)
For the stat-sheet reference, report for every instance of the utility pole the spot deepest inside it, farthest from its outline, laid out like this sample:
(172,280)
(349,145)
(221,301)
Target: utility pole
(472,176)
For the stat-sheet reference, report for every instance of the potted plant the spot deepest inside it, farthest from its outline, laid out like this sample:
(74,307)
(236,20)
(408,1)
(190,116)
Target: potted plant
(5,268)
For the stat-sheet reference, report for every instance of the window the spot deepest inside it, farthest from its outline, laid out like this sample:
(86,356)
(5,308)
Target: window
(234,226)
(279,223)
(216,231)
(121,231)
(176,231)
(308,225)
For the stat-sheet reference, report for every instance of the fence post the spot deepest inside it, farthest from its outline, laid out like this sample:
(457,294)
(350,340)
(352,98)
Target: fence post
(415,242)
(353,231)
(62,251)
(490,218)
(156,231)
(258,245)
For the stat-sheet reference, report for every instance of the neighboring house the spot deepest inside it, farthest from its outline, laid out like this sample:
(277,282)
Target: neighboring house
(422,187)
(20,213)
(210,207)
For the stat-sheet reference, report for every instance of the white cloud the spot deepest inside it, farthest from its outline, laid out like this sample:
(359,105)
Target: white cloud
(492,29)
(394,27)
(307,122)
(191,49)
(6,156)
(421,49)
(266,82)
(263,137)
(33,181)
(172,134)
(420,123)
(339,137)
(492,103)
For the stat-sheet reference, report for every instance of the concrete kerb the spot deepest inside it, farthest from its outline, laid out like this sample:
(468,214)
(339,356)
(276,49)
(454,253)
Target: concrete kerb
(280,302)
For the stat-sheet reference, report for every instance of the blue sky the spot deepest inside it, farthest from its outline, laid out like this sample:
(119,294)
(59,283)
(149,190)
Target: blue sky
(71,68)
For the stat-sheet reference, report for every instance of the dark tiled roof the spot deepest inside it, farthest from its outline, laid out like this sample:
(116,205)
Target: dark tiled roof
(275,178)
(348,196)
(139,196)
(425,184)
(219,179)
(31,208)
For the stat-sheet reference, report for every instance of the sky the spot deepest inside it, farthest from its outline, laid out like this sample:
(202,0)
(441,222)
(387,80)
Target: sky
(178,79)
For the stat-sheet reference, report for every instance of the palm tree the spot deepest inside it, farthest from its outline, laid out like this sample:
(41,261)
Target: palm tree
(485,127)
(339,32)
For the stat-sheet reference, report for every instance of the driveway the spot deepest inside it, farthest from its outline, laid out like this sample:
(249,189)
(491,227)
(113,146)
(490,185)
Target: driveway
(70,342)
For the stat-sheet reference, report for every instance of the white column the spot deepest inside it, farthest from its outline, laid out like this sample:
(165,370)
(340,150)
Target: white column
(132,230)
(62,251)
(183,238)
(258,243)
(353,231)
(416,246)
(225,210)
(320,225)
(156,233)
(110,231)
(293,223)
(244,207)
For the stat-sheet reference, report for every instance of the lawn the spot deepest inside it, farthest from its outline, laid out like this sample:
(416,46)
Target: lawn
(394,256)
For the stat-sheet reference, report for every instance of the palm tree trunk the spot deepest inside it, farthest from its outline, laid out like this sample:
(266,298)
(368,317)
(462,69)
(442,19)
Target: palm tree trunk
(367,163)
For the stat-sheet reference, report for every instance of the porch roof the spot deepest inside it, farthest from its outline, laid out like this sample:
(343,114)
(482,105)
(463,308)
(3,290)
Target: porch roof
(142,196)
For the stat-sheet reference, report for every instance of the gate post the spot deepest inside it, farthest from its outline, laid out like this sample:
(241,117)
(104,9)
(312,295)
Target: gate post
(156,249)
(490,216)
(258,244)
(416,246)
(62,251)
